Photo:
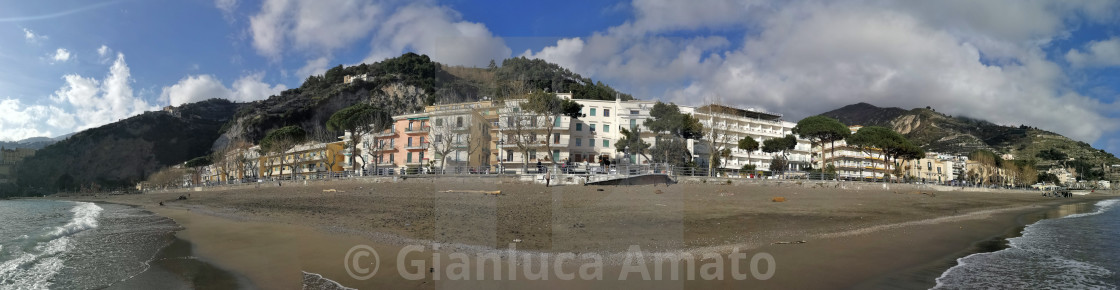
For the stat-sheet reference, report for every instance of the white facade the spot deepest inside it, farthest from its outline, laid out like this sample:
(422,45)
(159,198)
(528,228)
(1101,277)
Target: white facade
(729,125)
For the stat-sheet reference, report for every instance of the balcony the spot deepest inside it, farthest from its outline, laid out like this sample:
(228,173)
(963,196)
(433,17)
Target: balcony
(384,149)
(417,146)
(384,134)
(424,130)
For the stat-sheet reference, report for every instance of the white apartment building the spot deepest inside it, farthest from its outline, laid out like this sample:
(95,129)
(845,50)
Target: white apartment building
(851,162)
(728,125)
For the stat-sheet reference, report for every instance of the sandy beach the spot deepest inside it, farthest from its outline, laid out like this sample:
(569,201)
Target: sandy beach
(834,235)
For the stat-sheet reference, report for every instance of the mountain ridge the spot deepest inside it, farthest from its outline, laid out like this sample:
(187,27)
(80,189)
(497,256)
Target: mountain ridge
(937,132)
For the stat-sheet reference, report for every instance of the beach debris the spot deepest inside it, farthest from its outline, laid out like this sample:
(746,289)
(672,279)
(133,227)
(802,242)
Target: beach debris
(598,189)
(161,203)
(486,192)
(578,225)
(516,240)
(330,190)
(778,199)
(658,204)
(788,243)
(657,191)
(182,197)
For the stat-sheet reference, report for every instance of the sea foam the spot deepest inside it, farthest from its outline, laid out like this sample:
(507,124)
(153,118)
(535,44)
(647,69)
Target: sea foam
(85,217)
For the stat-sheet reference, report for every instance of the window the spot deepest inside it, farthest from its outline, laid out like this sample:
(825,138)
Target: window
(409,158)
(606,128)
(579,126)
(591,142)
(410,126)
(606,112)
(555,154)
(592,127)
(633,112)
(533,138)
(939,170)
(556,138)
(929,165)
(439,122)
(633,124)
(592,112)
(606,143)
(557,121)
(459,122)
(392,142)
(409,141)
(439,138)
(421,156)
(579,142)
(532,154)
(421,140)
(509,155)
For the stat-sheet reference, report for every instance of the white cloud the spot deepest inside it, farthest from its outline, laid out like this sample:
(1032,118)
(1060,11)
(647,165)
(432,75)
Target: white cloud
(313,67)
(227,7)
(203,87)
(31,37)
(318,29)
(1103,53)
(94,103)
(807,57)
(437,32)
(61,55)
(104,54)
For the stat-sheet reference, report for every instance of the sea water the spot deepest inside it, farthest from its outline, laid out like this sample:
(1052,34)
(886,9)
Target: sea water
(48,244)
(1080,251)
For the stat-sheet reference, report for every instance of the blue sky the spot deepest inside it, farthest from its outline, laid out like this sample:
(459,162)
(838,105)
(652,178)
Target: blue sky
(72,65)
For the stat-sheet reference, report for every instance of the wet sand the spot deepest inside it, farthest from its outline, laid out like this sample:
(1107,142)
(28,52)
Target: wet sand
(855,235)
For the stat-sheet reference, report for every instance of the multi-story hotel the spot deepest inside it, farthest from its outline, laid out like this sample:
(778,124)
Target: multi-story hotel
(724,126)
(853,163)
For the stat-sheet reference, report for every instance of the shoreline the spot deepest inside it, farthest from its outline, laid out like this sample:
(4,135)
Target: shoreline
(863,257)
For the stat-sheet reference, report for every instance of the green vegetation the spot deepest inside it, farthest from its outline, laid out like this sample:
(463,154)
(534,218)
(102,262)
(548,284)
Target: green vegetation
(779,145)
(281,140)
(750,145)
(404,85)
(359,120)
(118,155)
(820,129)
(673,128)
(632,143)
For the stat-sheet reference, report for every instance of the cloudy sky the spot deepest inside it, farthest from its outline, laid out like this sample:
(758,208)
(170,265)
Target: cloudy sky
(70,65)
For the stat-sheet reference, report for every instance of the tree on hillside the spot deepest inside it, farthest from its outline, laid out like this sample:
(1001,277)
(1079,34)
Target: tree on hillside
(359,120)
(550,109)
(821,129)
(632,143)
(748,144)
(281,140)
(782,146)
